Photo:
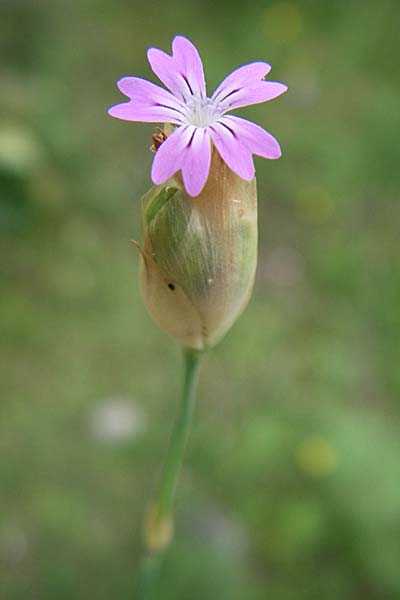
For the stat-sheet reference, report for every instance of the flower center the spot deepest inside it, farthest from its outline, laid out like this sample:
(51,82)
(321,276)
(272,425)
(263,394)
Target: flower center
(202,112)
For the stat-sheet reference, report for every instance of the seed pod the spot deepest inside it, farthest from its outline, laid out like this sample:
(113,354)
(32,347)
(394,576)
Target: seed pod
(199,254)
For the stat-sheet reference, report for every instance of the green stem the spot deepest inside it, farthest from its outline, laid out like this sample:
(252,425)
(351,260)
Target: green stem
(158,529)
(179,435)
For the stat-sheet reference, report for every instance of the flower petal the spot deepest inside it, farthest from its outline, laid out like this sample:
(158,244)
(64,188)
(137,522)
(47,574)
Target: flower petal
(190,62)
(170,155)
(132,111)
(243,76)
(255,138)
(149,103)
(144,91)
(252,94)
(196,162)
(182,72)
(236,154)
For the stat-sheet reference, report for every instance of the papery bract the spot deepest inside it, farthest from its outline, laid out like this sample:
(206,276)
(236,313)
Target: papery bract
(199,258)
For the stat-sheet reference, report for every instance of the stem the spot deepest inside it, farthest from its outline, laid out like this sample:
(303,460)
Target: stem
(179,435)
(159,527)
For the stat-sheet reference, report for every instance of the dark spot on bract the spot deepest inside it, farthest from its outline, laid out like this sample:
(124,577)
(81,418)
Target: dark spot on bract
(171,286)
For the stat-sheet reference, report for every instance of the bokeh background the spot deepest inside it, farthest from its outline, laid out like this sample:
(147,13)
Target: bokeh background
(291,484)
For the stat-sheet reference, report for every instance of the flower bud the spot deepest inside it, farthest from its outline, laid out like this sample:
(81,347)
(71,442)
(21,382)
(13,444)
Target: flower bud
(199,254)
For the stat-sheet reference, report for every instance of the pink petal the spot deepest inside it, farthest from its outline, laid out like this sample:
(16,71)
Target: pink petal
(148,103)
(236,154)
(196,162)
(170,155)
(190,63)
(243,76)
(255,138)
(132,111)
(144,91)
(252,94)
(182,72)
(166,69)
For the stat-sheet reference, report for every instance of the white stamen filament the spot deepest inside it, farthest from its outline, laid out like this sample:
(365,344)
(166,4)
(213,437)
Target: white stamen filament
(202,112)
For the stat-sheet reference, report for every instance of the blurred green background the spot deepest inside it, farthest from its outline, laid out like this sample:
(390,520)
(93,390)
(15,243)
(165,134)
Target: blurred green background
(291,484)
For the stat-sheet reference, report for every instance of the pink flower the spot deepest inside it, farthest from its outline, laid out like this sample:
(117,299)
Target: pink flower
(199,118)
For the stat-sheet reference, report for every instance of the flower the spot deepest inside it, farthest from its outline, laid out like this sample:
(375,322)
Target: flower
(199,118)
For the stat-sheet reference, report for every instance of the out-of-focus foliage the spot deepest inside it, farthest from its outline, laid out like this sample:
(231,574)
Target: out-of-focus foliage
(291,486)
